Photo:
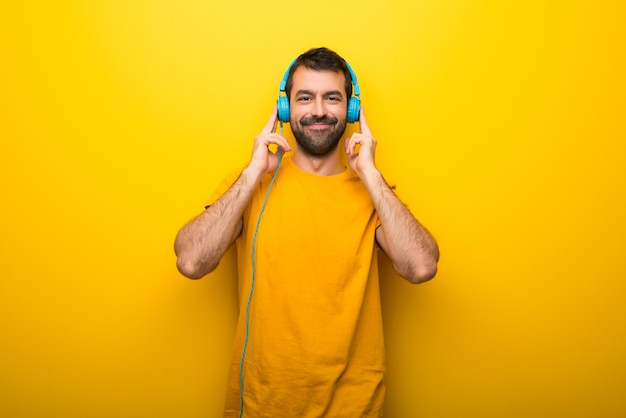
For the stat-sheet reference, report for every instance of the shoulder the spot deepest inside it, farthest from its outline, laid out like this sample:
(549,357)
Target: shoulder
(224,185)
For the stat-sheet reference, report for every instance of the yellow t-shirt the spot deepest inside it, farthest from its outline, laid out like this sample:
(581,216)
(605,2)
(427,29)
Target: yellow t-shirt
(315,339)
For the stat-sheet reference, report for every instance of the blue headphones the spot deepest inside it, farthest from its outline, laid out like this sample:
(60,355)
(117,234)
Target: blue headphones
(354,103)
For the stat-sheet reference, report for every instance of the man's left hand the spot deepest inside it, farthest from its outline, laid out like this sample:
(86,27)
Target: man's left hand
(361,147)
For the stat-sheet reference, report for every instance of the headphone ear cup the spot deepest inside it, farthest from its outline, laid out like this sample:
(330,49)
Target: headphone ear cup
(283,108)
(354,107)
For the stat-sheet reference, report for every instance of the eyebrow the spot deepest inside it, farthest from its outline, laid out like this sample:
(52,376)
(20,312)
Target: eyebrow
(312,93)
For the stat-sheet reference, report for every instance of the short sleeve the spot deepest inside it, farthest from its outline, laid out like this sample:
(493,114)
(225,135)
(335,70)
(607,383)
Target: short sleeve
(228,181)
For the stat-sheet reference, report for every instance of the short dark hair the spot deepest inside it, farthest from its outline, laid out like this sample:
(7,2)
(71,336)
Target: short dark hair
(321,59)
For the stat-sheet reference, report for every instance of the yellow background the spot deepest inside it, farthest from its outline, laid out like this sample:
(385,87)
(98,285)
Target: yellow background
(503,123)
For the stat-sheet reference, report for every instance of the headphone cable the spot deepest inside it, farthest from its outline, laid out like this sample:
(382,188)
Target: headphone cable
(279,153)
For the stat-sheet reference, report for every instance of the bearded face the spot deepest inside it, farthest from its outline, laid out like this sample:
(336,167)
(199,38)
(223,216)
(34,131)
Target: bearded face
(318,107)
(318,136)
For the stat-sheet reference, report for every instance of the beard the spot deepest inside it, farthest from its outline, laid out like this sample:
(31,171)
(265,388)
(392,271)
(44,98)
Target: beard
(318,142)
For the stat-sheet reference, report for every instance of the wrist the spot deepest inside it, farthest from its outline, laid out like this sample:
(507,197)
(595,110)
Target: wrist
(371,176)
(251,175)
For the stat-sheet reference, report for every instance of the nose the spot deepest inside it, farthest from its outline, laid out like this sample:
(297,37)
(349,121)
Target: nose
(318,109)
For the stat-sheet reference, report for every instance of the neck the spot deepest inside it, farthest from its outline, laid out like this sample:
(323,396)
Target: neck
(327,165)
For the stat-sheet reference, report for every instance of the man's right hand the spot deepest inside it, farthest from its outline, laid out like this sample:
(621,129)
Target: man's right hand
(263,160)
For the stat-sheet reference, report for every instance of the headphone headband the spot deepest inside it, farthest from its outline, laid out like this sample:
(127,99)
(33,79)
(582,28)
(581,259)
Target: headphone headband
(354,102)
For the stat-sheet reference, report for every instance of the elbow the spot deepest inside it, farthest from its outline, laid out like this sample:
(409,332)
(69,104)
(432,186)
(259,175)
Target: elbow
(422,276)
(192,270)
(419,272)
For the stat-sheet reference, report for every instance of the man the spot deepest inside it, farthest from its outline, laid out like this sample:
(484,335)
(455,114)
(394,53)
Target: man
(309,339)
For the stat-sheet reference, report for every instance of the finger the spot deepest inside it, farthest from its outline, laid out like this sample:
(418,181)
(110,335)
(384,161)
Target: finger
(270,126)
(348,146)
(351,144)
(363,127)
(283,144)
(275,139)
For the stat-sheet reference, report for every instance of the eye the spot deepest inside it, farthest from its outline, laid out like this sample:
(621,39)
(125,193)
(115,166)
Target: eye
(334,98)
(304,98)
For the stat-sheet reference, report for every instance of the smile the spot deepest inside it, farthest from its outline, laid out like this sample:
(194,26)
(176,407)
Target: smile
(318,125)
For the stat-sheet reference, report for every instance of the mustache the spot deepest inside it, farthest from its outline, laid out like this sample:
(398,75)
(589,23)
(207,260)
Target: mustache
(326,120)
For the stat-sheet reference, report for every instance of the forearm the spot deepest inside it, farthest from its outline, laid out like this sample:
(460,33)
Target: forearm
(411,248)
(202,242)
